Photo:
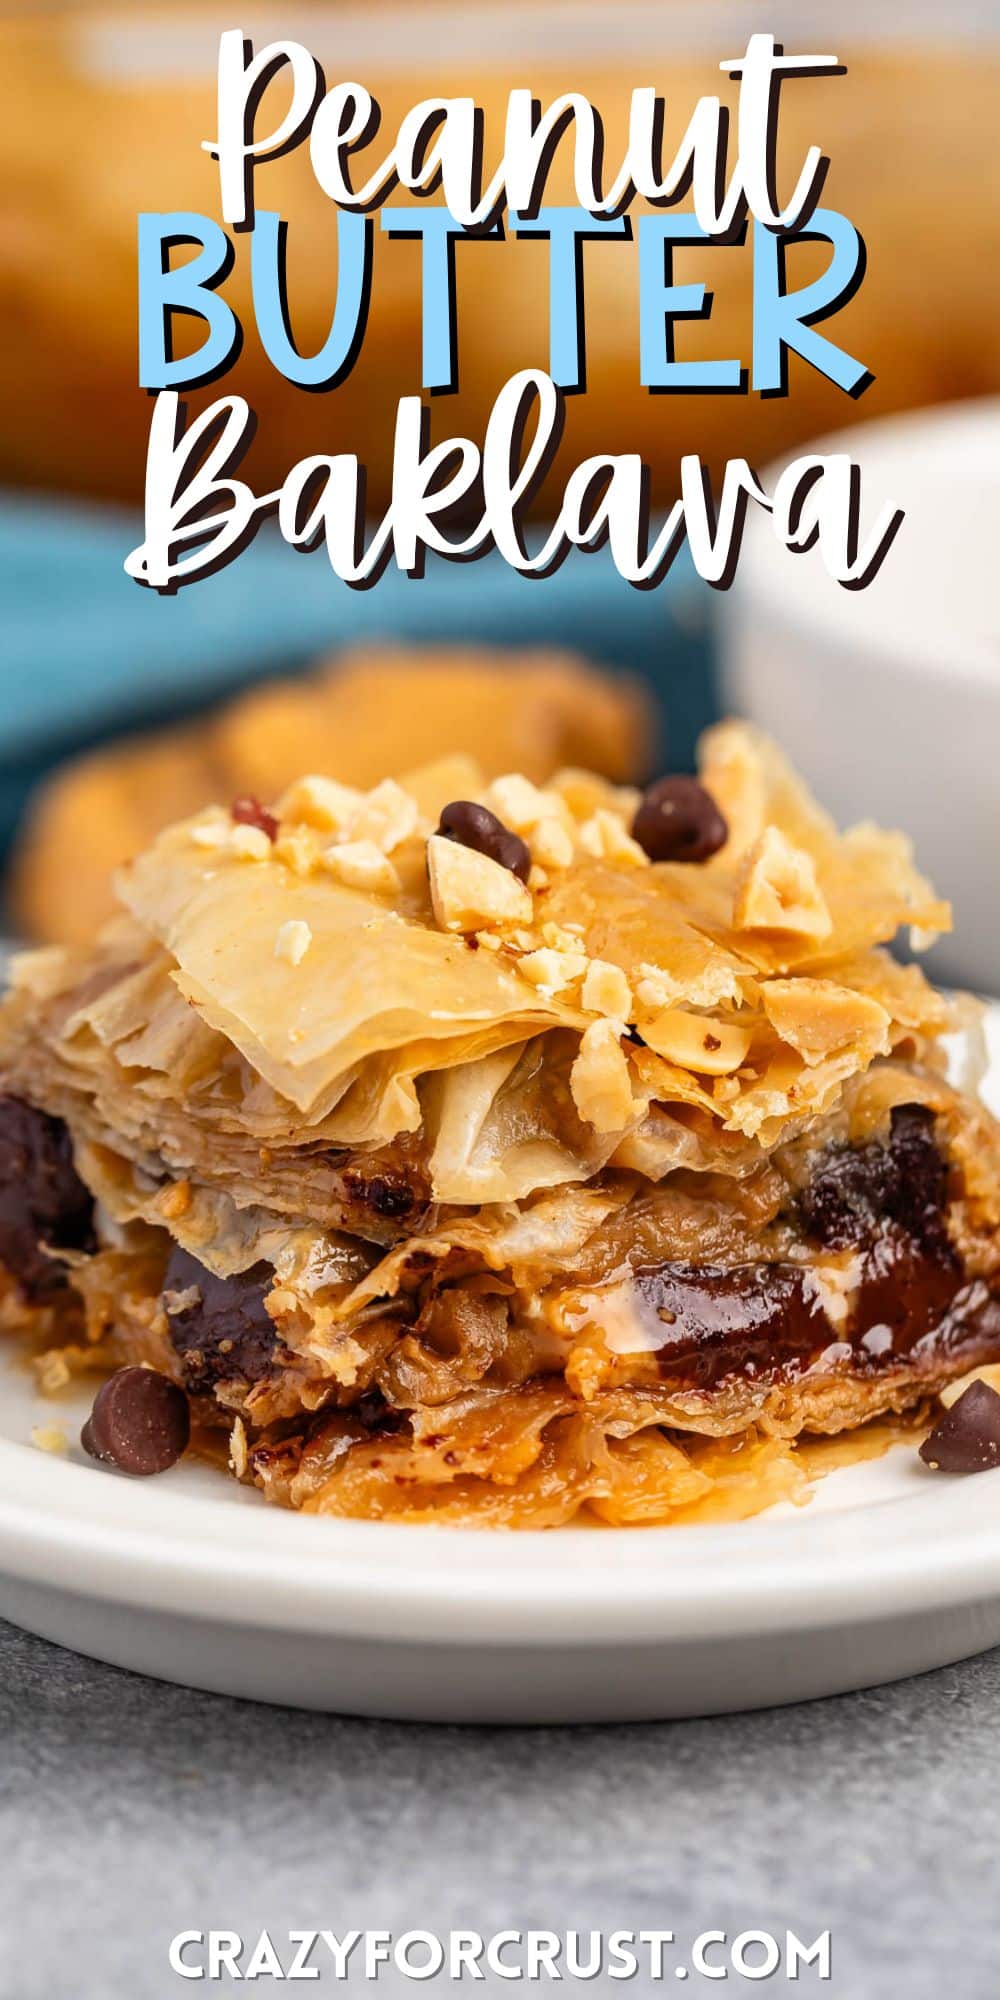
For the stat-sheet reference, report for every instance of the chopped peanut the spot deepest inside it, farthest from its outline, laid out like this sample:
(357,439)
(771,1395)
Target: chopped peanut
(696,1041)
(469,892)
(551,844)
(540,817)
(212,832)
(359,864)
(600,1081)
(51,1438)
(297,847)
(583,792)
(606,990)
(520,804)
(53,1371)
(293,941)
(239,1457)
(606,837)
(320,802)
(733,770)
(175,1201)
(655,987)
(778,890)
(386,817)
(552,971)
(562,937)
(250,843)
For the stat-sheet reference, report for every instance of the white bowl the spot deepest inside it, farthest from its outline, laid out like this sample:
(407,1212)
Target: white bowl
(888,698)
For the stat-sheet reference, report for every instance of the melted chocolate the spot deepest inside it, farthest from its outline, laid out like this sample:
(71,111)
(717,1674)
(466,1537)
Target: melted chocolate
(387,1194)
(228,1335)
(752,1321)
(911,1300)
(766,1322)
(376,1415)
(854,1191)
(43,1202)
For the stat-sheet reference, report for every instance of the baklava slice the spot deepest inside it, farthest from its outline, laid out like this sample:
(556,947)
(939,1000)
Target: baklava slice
(471,1151)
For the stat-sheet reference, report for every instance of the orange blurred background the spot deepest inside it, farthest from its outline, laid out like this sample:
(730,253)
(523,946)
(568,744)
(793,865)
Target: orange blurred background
(106,108)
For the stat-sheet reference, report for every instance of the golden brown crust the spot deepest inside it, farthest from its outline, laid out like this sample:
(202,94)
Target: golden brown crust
(360,977)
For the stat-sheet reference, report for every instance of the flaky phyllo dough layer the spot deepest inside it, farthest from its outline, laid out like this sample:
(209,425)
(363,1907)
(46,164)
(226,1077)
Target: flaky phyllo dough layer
(450,1195)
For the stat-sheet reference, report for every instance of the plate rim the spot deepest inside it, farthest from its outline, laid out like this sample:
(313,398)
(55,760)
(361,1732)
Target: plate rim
(189,1554)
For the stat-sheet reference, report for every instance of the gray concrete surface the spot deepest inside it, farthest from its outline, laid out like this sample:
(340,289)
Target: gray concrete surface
(131,1810)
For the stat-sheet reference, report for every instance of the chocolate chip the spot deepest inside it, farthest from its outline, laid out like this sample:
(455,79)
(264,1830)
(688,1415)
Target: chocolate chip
(43,1201)
(854,1191)
(388,1195)
(476,827)
(226,1334)
(248,811)
(140,1422)
(967,1437)
(678,820)
(376,1415)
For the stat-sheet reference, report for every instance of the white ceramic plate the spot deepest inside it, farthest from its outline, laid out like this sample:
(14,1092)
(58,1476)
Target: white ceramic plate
(887,699)
(889,1570)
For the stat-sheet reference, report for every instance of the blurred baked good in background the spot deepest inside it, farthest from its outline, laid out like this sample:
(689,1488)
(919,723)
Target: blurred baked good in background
(365,715)
(105,112)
